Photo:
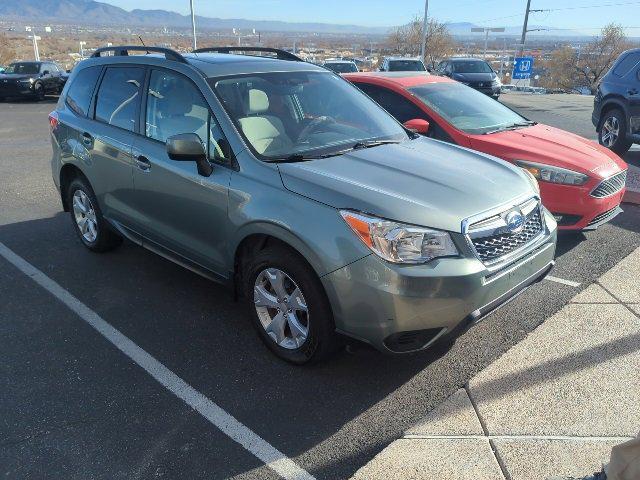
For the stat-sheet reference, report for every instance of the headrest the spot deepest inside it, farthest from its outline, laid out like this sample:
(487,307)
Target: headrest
(258,101)
(179,101)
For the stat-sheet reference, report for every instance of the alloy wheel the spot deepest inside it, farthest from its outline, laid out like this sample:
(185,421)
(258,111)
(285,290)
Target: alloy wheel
(85,216)
(610,131)
(281,308)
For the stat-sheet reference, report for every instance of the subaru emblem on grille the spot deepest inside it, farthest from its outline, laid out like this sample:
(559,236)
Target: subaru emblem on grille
(515,221)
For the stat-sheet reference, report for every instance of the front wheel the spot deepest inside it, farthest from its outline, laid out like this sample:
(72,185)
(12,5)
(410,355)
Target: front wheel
(288,306)
(39,91)
(612,132)
(90,225)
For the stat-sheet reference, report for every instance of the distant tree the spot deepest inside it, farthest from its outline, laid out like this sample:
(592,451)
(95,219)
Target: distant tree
(7,52)
(572,68)
(405,40)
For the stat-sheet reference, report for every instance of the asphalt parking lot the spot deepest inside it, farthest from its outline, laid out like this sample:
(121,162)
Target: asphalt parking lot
(74,406)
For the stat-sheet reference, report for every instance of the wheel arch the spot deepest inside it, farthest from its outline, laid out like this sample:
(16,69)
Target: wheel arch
(68,172)
(260,235)
(613,103)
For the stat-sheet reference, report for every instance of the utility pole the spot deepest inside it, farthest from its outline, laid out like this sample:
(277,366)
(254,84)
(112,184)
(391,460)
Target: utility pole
(423,42)
(524,26)
(193,26)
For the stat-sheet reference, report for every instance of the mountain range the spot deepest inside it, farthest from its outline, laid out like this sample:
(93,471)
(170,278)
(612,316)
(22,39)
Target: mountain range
(100,13)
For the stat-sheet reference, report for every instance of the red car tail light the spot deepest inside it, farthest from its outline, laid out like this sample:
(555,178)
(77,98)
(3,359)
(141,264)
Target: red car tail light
(53,120)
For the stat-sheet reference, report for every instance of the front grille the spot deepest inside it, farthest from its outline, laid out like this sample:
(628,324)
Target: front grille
(603,217)
(610,185)
(493,247)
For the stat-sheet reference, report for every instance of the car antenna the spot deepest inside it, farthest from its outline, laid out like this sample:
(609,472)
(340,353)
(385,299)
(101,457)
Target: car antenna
(142,42)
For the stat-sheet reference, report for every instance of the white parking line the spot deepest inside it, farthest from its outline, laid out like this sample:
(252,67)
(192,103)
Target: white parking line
(562,281)
(273,458)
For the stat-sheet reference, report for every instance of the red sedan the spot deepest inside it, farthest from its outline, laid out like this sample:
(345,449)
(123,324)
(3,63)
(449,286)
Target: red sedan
(581,182)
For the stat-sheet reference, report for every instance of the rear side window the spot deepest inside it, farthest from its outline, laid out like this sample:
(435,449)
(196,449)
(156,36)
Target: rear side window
(625,65)
(81,90)
(398,106)
(118,100)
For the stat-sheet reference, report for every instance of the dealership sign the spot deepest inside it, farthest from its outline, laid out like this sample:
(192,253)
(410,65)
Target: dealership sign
(522,68)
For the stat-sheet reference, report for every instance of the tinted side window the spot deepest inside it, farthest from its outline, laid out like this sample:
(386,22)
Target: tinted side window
(398,106)
(81,90)
(402,109)
(626,64)
(118,100)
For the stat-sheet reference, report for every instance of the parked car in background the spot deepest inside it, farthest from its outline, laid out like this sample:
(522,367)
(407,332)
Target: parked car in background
(2,69)
(402,64)
(341,66)
(287,183)
(581,182)
(31,79)
(616,105)
(474,72)
(507,88)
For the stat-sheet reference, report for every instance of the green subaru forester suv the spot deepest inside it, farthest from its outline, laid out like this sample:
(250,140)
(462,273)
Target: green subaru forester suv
(282,180)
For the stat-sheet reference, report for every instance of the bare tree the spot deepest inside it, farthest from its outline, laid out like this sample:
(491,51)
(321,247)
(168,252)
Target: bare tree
(584,68)
(405,40)
(7,52)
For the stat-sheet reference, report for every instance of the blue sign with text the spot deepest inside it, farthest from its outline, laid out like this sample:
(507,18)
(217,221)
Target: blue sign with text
(522,68)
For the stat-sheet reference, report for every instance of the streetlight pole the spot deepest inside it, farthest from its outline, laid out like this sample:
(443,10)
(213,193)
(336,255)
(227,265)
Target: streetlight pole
(423,42)
(193,26)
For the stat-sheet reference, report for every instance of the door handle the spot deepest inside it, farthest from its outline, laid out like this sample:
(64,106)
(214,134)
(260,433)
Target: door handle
(143,163)
(632,91)
(87,139)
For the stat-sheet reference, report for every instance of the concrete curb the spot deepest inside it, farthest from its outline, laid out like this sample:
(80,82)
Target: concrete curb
(631,196)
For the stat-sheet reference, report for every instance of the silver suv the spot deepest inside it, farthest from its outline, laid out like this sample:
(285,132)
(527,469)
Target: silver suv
(285,182)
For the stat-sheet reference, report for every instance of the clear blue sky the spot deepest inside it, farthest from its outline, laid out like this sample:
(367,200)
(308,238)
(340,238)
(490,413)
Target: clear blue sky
(396,12)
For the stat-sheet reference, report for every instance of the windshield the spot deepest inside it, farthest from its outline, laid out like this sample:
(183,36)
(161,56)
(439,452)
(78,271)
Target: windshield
(467,109)
(341,67)
(23,68)
(406,66)
(471,66)
(286,114)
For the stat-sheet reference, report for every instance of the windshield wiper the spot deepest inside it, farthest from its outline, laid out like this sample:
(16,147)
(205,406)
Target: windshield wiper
(512,126)
(372,143)
(300,157)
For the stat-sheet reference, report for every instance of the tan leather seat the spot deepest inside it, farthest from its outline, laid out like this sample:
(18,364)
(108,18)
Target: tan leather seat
(265,132)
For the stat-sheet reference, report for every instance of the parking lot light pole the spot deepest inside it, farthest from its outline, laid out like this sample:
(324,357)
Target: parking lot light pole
(423,46)
(193,26)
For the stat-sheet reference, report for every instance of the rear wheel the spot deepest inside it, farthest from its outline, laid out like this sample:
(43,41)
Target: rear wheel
(90,225)
(288,306)
(612,132)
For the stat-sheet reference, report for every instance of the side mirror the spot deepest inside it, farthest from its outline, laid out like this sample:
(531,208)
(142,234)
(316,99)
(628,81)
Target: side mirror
(417,125)
(46,72)
(187,147)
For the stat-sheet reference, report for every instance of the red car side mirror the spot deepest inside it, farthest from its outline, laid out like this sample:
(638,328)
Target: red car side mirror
(417,125)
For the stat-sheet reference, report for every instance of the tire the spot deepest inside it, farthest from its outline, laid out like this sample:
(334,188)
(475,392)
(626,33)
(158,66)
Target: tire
(100,238)
(39,91)
(612,133)
(321,340)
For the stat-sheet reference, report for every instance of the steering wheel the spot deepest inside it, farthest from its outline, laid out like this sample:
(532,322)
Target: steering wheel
(313,125)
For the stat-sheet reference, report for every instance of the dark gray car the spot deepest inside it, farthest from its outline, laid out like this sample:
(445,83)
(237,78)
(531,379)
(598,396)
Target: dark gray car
(282,180)
(31,80)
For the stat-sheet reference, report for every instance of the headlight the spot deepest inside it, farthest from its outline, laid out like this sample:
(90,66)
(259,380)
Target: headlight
(547,173)
(496,82)
(399,243)
(532,180)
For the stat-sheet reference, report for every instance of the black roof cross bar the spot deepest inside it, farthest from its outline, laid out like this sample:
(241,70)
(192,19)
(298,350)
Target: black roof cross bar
(280,54)
(123,51)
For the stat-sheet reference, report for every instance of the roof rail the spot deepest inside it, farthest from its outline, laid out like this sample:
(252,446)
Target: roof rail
(280,54)
(123,51)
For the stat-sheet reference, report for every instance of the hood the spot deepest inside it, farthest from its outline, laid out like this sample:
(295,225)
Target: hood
(549,145)
(421,182)
(474,77)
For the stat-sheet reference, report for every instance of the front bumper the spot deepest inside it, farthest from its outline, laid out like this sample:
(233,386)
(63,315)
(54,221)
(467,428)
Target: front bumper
(578,209)
(385,305)
(16,89)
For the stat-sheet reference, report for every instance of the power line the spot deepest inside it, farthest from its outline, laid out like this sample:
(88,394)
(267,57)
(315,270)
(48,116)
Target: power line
(581,7)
